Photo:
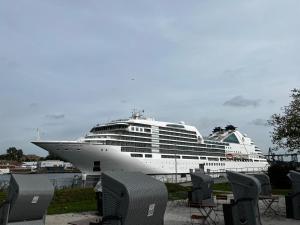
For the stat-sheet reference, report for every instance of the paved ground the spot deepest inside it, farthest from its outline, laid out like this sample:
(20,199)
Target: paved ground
(178,214)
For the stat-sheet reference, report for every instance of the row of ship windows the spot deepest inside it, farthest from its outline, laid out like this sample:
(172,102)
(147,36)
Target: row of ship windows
(109,127)
(135,155)
(121,143)
(177,134)
(78,149)
(215,142)
(149,140)
(234,152)
(160,141)
(125,132)
(191,153)
(214,164)
(162,130)
(176,147)
(179,128)
(191,144)
(125,138)
(140,129)
(132,149)
(194,157)
(176,130)
(194,139)
(241,160)
(145,139)
(138,144)
(140,125)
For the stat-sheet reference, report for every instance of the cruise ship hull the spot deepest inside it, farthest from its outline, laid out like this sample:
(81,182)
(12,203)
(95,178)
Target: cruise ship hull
(86,155)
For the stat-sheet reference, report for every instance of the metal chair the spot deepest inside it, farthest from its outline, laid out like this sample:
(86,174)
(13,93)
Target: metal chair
(243,210)
(132,199)
(201,199)
(202,188)
(293,199)
(265,196)
(28,199)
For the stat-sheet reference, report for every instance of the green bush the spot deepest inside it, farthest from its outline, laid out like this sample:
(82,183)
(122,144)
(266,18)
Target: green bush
(278,175)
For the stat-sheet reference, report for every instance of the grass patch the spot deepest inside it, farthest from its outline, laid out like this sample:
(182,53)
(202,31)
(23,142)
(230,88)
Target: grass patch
(2,196)
(73,200)
(222,187)
(176,191)
(81,200)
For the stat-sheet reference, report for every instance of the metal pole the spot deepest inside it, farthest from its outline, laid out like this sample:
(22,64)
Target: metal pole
(175,168)
(175,163)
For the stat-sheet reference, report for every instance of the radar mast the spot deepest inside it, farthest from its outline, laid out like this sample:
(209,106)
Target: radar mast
(137,114)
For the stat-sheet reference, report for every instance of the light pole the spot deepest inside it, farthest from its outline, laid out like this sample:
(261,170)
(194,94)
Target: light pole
(175,164)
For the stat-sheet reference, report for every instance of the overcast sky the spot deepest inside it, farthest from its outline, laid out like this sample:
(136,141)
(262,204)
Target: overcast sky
(68,65)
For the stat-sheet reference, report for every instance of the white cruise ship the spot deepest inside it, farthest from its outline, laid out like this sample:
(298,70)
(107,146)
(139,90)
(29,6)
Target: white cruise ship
(155,147)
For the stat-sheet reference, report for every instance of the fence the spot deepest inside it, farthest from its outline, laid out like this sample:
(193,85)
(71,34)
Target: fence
(75,180)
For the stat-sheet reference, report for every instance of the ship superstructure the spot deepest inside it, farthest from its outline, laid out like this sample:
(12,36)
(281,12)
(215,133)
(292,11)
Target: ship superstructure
(155,147)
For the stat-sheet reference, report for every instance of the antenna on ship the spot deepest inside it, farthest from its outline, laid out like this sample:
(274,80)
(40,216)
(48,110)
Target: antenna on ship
(137,114)
(38,134)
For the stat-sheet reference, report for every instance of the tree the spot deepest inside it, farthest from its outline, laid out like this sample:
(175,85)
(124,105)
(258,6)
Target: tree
(286,133)
(14,154)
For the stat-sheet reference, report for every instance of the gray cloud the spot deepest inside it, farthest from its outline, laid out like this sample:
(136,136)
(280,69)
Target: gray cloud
(234,72)
(55,116)
(259,122)
(33,105)
(240,101)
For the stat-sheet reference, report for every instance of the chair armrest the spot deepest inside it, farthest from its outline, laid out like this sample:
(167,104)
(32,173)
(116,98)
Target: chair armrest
(4,209)
(294,195)
(195,189)
(109,218)
(4,203)
(242,200)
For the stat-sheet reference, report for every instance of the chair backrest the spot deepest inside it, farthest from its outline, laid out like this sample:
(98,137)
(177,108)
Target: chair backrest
(29,196)
(294,176)
(295,195)
(265,184)
(202,186)
(244,186)
(246,190)
(133,197)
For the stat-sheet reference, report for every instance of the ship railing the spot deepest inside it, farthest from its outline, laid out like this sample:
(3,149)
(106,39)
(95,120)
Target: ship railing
(241,170)
(216,174)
